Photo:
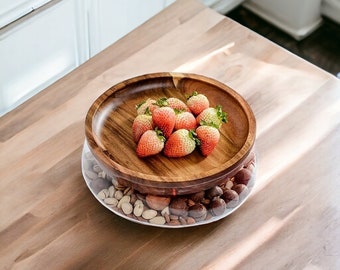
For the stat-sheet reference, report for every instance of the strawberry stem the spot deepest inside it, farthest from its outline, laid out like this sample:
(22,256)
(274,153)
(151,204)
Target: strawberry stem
(162,102)
(178,111)
(147,111)
(211,124)
(221,114)
(160,134)
(194,93)
(140,104)
(193,136)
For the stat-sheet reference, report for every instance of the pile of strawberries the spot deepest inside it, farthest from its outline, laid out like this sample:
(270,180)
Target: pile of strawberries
(177,128)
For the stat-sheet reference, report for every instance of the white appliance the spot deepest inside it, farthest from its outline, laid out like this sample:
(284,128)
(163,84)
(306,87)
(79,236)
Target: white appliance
(222,6)
(331,9)
(297,18)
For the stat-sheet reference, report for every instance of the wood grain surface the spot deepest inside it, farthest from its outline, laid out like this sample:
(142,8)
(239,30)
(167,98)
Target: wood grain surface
(109,134)
(50,220)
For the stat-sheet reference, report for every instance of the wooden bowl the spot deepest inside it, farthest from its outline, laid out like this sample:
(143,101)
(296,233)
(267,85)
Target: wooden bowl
(109,135)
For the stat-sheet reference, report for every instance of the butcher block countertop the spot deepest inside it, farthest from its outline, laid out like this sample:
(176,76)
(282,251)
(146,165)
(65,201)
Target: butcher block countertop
(49,219)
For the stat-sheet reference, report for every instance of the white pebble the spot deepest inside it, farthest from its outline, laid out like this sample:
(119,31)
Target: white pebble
(138,209)
(127,208)
(103,194)
(149,214)
(165,211)
(112,191)
(119,194)
(158,220)
(139,202)
(124,199)
(111,201)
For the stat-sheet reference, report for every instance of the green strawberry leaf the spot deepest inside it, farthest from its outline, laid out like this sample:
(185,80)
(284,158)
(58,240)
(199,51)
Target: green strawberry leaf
(147,111)
(160,134)
(140,104)
(178,111)
(162,102)
(221,114)
(193,136)
(194,93)
(212,124)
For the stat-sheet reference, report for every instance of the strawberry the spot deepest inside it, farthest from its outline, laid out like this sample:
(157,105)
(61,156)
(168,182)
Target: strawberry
(180,143)
(212,116)
(185,120)
(177,104)
(164,118)
(197,103)
(150,143)
(141,123)
(146,106)
(208,137)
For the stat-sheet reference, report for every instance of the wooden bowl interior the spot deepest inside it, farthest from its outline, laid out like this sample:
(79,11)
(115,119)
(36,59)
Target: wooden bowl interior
(109,134)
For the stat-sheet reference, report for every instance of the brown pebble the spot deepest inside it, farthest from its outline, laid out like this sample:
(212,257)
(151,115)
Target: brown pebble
(198,212)
(214,192)
(157,202)
(243,176)
(173,217)
(241,188)
(229,195)
(198,196)
(217,206)
(174,223)
(179,207)
(231,198)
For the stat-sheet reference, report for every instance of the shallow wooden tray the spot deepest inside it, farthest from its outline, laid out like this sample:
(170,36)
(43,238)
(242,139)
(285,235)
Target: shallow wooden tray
(109,135)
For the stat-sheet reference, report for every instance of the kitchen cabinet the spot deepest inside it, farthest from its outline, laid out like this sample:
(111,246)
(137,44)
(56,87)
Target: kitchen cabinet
(46,41)
(110,20)
(39,49)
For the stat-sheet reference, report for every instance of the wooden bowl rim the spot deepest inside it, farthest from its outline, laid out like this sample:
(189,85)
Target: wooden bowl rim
(138,177)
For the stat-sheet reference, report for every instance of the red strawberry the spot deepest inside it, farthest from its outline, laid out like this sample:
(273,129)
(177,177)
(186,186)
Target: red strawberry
(164,118)
(177,104)
(208,137)
(151,143)
(181,143)
(141,123)
(146,106)
(185,120)
(212,117)
(197,103)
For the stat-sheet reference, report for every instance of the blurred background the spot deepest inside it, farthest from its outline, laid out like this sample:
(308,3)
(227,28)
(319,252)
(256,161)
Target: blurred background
(43,40)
